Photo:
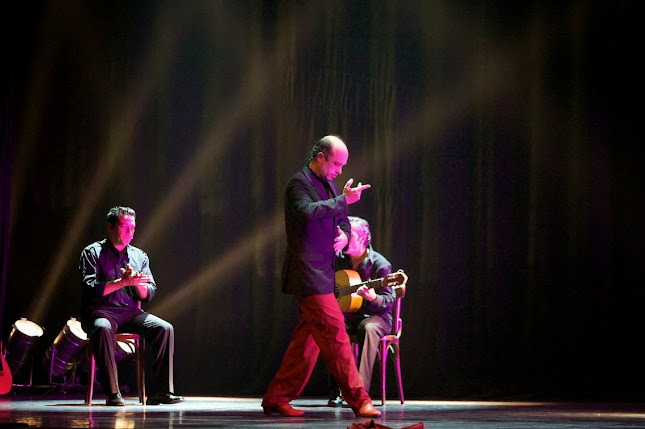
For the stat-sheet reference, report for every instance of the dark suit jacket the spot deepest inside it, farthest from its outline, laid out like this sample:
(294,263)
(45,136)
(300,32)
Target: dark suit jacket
(311,217)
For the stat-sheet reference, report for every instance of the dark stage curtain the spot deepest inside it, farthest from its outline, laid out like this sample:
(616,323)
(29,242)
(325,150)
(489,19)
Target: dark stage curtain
(494,135)
(5,195)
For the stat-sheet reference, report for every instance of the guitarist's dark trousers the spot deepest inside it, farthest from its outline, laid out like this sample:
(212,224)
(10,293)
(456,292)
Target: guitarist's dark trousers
(102,324)
(369,332)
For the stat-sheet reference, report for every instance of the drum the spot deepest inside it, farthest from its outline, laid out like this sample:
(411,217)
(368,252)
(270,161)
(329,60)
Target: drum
(124,349)
(23,336)
(60,356)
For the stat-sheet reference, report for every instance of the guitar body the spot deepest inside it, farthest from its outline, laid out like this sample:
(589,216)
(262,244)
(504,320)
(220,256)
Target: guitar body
(349,281)
(351,302)
(6,380)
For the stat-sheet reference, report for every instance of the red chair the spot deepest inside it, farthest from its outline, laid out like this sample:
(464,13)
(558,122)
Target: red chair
(389,344)
(139,350)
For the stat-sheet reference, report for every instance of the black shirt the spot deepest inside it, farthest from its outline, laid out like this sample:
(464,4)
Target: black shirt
(100,263)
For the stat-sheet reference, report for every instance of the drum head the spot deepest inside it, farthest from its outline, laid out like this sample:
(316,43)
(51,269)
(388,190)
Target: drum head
(28,328)
(75,327)
(23,337)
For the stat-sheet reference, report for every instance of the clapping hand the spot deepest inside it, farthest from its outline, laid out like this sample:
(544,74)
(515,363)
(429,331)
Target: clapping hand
(133,277)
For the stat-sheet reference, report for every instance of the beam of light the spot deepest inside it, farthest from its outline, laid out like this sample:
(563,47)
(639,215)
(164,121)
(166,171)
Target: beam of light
(440,111)
(118,143)
(433,116)
(125,116)
(254,91)
(214,143)
(207,278)
(261,75)
(250,97)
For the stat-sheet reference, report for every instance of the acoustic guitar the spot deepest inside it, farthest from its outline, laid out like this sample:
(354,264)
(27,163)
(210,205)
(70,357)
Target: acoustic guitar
(6,381)
(347,282)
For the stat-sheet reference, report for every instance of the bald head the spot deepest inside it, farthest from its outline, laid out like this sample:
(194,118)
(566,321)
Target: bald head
(328,156)
(326,145)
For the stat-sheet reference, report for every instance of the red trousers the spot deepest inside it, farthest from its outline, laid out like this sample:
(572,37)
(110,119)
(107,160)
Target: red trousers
(321,329)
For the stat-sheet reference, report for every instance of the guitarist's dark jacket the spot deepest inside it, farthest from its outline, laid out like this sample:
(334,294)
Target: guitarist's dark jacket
(313,209)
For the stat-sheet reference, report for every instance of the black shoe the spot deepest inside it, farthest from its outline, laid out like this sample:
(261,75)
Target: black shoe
(335,401)
(164,398)
(114,400)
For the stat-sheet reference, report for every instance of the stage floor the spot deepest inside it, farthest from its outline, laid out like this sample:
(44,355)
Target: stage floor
(68,411)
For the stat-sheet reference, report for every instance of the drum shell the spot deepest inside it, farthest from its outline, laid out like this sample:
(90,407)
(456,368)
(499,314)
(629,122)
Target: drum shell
(123,350)
(60,357)
(20,343)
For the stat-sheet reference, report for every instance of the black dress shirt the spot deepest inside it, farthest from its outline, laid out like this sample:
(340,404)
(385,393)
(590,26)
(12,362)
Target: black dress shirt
(100,263)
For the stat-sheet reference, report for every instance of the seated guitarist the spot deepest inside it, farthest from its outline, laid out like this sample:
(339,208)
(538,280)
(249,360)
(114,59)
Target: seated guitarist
(374,318)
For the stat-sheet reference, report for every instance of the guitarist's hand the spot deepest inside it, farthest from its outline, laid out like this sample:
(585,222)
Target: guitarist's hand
(340,241)
(367,293)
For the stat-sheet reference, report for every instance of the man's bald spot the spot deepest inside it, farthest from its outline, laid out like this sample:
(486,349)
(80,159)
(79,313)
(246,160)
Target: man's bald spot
(335,143)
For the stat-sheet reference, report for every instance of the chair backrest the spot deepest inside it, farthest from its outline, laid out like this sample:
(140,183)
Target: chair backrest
(397,321)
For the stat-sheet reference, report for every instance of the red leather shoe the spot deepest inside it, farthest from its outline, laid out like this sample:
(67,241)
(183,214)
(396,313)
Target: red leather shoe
(284,410)
(367,411)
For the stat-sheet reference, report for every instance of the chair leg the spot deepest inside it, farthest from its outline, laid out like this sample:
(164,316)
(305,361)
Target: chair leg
(384,350)
(141,370)
(89,393)
(397,356)
(51,366)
